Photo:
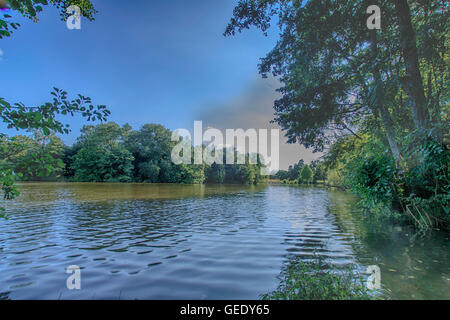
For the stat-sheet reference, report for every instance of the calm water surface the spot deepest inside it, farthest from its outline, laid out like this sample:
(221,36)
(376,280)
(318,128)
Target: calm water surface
(200,242)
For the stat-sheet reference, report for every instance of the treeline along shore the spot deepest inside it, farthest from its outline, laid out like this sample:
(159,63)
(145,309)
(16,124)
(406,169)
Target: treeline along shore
(110,153)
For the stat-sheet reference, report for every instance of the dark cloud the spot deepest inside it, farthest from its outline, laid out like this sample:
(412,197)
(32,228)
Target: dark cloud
(253,108)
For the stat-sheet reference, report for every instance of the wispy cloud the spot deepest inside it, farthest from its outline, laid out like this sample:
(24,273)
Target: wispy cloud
(1,54)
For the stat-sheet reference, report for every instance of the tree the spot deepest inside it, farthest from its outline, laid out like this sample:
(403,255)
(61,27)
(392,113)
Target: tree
(169,173)
(35,157)
(413,82)
(243,173)
(101,154)
(28,158)
(191,174)
(216,173)
(334,79)
(375,100)
(31,8)
(93,164)
(43,117)
(319,170)
(306,176)
(41,159)
(314,63)
(282,175)
(294,172)
(151,147)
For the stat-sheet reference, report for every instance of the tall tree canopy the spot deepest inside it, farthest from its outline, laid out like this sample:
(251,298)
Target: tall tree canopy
(359,93)
(336,72)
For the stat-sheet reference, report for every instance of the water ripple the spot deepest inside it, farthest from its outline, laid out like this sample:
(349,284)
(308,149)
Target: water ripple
(169,242)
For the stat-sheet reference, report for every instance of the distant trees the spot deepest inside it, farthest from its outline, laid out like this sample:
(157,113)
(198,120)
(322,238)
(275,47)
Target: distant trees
(320,171)
(191,173)
(151,148)
(282,175)
(33,158)
(306,175)
(110,153)
(107,152)
(301,173)
(101,156)
(216,173)
(295,171)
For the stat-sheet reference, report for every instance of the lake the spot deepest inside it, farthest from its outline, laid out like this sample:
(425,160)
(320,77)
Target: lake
(160,241)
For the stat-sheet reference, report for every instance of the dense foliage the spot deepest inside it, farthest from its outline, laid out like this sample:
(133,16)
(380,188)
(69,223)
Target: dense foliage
(301,173)
(110,153)
(417,187)
(33,158)
(376,101)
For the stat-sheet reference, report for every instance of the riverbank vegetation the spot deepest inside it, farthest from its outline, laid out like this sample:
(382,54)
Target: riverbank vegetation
(314,280)
(45,117)
(375,101)
(301,173)
(110,153)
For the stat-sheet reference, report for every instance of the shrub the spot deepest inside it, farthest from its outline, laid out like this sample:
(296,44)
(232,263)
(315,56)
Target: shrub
(315,281)
(418,187)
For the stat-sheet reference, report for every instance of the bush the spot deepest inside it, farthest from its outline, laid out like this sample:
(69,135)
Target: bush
(418,187)
(427,185)
(314,281)
(372,175)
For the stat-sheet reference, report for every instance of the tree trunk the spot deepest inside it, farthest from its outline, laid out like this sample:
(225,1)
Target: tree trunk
(389,128)
(413,84)
(386,118)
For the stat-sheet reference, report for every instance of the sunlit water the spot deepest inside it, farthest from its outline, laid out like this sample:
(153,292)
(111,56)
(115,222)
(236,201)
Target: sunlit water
(136,241)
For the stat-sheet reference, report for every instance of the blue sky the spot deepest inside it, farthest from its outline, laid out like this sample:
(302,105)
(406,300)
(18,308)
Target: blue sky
(151,61)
